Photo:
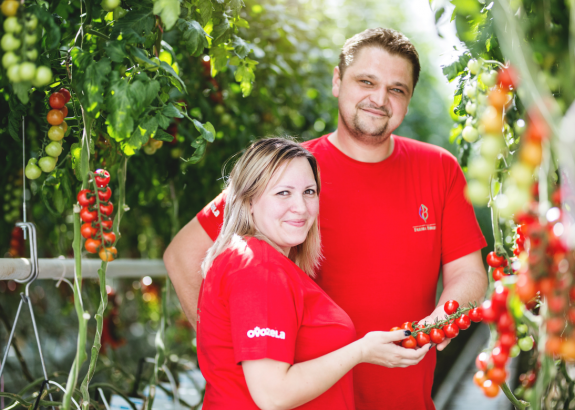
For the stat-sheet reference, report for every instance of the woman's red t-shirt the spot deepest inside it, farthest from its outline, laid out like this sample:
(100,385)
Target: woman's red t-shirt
(255,303)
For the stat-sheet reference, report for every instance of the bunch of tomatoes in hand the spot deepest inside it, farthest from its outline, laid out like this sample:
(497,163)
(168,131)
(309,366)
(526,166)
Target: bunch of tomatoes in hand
(456,319)
(96,214)
(56,134)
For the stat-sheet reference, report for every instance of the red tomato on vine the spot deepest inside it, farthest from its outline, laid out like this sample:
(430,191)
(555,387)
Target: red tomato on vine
(88,216)
(105,195)
(451,330)
(437,336)
(409,342)
(407,326)
(451,307)
(475,315)
(495,260)
(85,198)
(57,100)
(107,209)
(88,231)
(422,339)
(463,322)
(92,245)
(102,177)
(65,93)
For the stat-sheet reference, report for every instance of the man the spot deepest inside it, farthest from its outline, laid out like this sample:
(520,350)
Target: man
(392,214)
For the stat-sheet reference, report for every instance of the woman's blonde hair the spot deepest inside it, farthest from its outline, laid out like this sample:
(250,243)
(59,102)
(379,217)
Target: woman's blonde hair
(248,180)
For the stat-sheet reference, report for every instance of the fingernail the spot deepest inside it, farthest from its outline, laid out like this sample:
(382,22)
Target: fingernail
(408,333)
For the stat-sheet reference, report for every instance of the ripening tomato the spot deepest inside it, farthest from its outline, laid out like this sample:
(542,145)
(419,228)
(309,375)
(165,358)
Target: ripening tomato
(499,357)
(102,177)
(498,273)
(490,389)
(525,287)
(422,339)
(393,329)
(568,349)
(482,360)
(463,322)
(475,315)
(497,375)
(451,307)
(570,315)
(105,194)
(57,100)
(64,111)
(489,314)
(88,216)
(109,238)
(520,241)
(409,342)
(494,260)
(521,230)
(107,225)
(437,336)
(499,297)
(479,378)
(507,78)
(498,98)
(108,254)
(66,94)
(451,330)
(92,245)
(546,286)
(553,345)
(86,197)
(88,231)
(55,117)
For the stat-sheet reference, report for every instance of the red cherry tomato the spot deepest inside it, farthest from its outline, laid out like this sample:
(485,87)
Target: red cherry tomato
(475,315)
(88,216)
(88,231)
(409,342)
(451,330)
(437,336)
(393,329)
(102,177)
(498,273)
(109,238)
(507,78)
(497,375)
(556,325)
(521,230)
(490,389)
(499,297)
(85,199)
(64,111)
(479,378)
(450,307)
(505,323)
(507,340)
(107,209)
(499,357)
(482,360)
(55,117)
(525,287)
(489,314)
(422,339)
(65,93)
(105,194)
(57,100)
(407,326)
(463,322)
(557,303)
(495,260)
(92,245)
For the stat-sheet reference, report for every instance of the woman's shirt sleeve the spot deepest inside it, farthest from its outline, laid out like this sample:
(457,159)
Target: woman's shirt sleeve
(266,306)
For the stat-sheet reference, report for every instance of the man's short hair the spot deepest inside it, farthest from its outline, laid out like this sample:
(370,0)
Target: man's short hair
(389,40)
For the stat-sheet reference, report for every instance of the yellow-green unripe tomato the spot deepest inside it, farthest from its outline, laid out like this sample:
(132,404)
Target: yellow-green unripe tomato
(47,164)
(514,351)
(470,134)
(522,329)
(54,149)
(32,171)
(31,23)
(14,73)
(30,39)
(470,90)
(525,343)
(149,150)
(480,169)
(139,61)
(477,193)
(43,76)
(491,146)
(11,25)
(470,108)
(521,174)
(153,67)
(489,78)
(32,55)
(56,133)
(473,66)
(219,109)
(10,43)
(119,13)
(9,59)
(27,71)
(166,56)
(109,5)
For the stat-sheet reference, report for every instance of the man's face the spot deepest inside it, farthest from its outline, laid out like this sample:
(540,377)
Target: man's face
(373,94)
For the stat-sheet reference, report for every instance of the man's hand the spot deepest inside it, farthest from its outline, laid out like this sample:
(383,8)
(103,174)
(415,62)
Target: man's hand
(440,314)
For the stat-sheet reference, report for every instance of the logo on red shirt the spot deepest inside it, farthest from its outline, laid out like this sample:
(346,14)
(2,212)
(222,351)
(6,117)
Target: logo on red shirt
(214,209)
(424,214)
(257,332)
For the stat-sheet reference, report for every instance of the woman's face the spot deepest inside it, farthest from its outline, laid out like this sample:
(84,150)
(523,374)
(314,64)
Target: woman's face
(289,205)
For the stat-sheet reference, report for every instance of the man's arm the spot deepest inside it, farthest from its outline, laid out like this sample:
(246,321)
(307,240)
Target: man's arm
(464,280)
(183,259)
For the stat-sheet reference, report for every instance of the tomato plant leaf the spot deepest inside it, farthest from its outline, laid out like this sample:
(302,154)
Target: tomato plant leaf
(178,83)
(206,130)
(22,90)
(119,121)
(455,69)
(171,111)
(17,111)
(168,10)
(163,121)
(221,28)
(144,130)
(206,9)
(143,92)
(236,6)
(75,154)
(219,58)
(135,25)
(162,135)
(46,21)
(95,78)
(241,47)
(193,36)
(245,76)
(200,145)
(116,50)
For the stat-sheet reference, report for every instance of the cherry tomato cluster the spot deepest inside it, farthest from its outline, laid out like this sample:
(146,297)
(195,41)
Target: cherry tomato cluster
(19,46)
(56,133)
(456,319)
(16,243)
(525,389)
(96,214)
(12,207)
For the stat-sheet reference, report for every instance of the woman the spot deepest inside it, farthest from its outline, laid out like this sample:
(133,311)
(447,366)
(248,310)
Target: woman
(268,336)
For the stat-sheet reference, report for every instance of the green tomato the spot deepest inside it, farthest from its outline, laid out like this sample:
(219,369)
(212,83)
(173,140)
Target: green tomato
(11,25)
(32,171)
(521,174)
(10,43)
(477,193)
(149,150)
(471,108)
(470,134)
(9,59)
(109,5)
(525,343)
(489,78)
(54,149)
(481,169)
(522,329)
(470,90)
(14,73)
(27,71)
(119,13)
(219,109)
(473,66)
(514,351)
(43,76)
(31,23)
(32,55)
(153,67)
(30,39)
(139,61)
(56,133)
(47,164)
(491,146)
(166,56)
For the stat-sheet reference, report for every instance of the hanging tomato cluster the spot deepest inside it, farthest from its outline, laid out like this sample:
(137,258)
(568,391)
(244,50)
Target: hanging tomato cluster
(456,319)
(56,133)
(96,214)
(16,243)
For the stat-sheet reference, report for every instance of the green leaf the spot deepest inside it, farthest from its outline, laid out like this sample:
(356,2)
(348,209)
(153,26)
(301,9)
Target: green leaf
(178,83)
(120,122)
(145,130)
(162,135)
(456,68)
(116,50)
(95,79)
(46,22)
(240,22)
(193,35)
(171,111)
(200,145)
(135,25)
(142,95)
(221,28)
(466,7)
(245,76)
(17,111)
(241,47)
(455,132)
(438,14)
(22,90)
(206,9)
(168,10)
(236,6)
(218,58)
(163,121)
(75,153)
(206,130)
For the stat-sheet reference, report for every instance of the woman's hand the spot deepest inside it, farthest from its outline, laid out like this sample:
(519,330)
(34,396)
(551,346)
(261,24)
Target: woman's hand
(378,348)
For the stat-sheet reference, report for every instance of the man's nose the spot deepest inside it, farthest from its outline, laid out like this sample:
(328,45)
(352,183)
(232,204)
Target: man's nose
(379,97)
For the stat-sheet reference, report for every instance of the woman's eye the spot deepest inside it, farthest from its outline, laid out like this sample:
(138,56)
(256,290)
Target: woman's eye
(283,193)
(309,191)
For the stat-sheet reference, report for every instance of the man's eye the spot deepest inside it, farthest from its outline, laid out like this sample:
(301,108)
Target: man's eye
(367,82)
(398,90)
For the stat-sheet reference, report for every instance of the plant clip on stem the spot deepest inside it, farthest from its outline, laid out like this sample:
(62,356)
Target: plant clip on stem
(25,298)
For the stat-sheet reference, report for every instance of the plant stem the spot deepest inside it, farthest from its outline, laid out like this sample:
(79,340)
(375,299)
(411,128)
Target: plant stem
(519,404)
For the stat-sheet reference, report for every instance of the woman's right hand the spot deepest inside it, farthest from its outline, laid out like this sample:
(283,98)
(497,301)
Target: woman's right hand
(378,348)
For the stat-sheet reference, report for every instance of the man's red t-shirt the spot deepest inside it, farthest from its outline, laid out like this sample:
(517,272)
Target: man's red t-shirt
(386,230)
(255,303)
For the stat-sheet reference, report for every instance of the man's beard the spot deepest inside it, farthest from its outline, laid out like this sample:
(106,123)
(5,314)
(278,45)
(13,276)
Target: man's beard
(360,132)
